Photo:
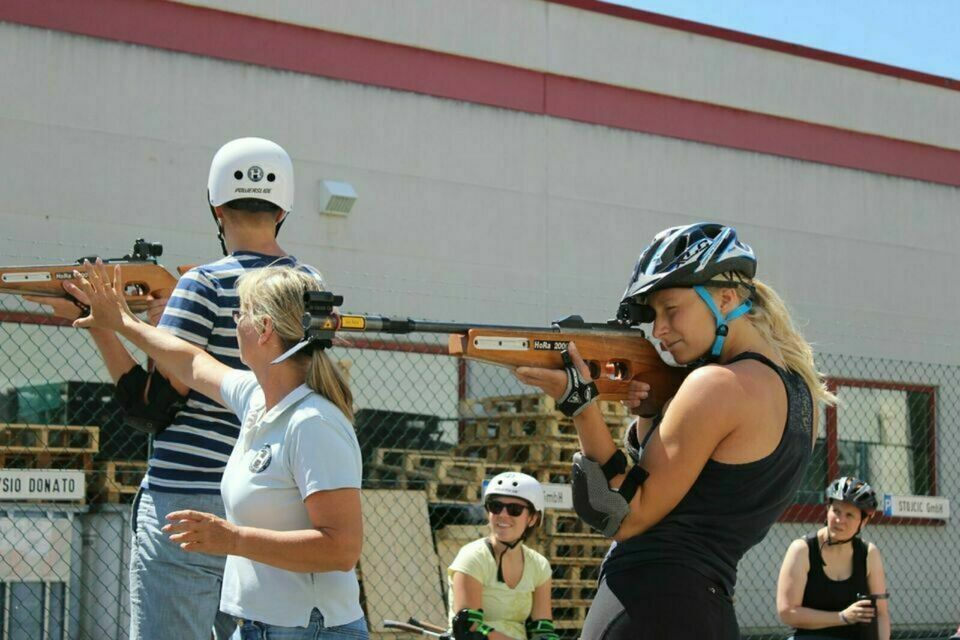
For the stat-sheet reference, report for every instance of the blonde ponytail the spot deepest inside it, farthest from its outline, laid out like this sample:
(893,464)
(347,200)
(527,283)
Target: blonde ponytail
(277,293)
(772,320)
(326,378)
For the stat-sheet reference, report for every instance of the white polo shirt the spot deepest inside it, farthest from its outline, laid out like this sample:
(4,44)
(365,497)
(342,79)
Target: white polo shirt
(302,445)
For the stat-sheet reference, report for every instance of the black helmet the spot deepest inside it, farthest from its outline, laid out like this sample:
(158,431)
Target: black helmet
(852,490)
(689,256)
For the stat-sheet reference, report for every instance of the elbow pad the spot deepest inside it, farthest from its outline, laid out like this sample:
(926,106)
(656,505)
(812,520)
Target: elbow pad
(468,624)
(148,400)
(542,629)
(601,507)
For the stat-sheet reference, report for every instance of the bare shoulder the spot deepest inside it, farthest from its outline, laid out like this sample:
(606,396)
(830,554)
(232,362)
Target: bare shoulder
(798,550)
(797,555)
(712,383)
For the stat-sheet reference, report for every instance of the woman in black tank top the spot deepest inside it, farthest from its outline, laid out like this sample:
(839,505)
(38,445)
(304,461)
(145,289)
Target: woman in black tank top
(719,463)
(826,574)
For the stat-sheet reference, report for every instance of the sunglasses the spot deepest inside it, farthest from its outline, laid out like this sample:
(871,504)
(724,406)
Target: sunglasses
(513,508)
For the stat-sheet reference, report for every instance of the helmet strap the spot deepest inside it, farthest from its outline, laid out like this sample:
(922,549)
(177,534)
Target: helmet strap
(223,243)
(509,546)
(834,543)
(276,230)
(722,328)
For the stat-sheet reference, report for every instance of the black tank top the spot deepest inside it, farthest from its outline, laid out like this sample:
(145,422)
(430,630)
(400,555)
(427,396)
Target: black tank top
(834,595)
(730,507)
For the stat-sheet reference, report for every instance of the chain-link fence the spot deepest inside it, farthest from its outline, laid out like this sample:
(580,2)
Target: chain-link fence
(432,428)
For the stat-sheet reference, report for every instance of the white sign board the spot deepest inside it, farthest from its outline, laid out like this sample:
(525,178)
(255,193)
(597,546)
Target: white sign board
(558,496)
(48,485)
(916,507)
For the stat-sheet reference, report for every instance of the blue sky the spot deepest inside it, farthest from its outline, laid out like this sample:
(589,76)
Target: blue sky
(923,35)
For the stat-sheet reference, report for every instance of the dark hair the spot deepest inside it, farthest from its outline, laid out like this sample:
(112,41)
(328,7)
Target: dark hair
(253,205)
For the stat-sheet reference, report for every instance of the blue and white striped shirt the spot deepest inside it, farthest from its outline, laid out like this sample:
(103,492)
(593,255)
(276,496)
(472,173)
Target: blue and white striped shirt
(190,455)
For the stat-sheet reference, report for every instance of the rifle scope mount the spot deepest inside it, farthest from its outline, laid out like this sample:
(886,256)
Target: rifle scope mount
(318,320)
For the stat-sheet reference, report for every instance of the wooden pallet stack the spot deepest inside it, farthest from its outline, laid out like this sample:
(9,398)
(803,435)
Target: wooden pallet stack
(445,477)
(529,430)
(48,446)
(118,480)
(511,433)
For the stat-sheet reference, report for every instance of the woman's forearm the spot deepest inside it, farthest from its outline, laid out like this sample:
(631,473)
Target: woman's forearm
(595,439)
(884,626)
(186,362)
(305,551)
(806,618)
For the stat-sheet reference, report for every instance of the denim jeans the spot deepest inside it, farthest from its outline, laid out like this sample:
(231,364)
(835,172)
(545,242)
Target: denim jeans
(171,588)
(253,630)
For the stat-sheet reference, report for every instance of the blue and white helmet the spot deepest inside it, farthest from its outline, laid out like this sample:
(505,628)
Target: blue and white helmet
(689,256)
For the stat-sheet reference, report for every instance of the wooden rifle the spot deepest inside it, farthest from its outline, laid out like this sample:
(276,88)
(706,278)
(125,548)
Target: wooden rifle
(144,278)
(615,352)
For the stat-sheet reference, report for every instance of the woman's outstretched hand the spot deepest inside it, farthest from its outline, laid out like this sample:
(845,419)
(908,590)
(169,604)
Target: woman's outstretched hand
(108,307)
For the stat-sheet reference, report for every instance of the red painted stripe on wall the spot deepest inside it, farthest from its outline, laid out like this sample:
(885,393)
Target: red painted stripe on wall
(239,38)
(211,33)
(722,126)
(739,37)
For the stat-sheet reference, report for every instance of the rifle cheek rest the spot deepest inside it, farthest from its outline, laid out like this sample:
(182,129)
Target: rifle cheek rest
(161,406)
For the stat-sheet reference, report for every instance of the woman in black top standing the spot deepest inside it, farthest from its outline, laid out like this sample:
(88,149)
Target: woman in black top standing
(718,465)
(825,574)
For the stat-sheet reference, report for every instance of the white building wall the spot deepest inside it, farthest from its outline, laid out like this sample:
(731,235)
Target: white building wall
(567,41)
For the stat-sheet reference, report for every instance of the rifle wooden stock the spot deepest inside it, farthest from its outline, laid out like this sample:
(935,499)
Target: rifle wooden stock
(142,280)
(615,356)
(614,360)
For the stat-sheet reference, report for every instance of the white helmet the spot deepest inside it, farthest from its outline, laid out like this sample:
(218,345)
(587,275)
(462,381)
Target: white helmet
(516,485)
(251,168)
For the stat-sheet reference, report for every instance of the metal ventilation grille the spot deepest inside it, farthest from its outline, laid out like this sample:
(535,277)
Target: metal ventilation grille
(340,205)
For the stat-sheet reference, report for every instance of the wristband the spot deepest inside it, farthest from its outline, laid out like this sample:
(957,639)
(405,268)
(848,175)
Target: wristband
(843,618)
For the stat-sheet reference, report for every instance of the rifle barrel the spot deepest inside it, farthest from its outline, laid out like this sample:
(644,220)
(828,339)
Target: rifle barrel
(384,324)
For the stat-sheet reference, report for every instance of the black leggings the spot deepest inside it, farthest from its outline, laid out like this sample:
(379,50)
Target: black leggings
(660,601)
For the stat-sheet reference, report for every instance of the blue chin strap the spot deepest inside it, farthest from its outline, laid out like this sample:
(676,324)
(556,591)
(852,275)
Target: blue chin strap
(722,328)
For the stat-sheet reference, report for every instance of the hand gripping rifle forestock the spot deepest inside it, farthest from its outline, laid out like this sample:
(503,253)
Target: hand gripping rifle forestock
(144,278)
(615,355)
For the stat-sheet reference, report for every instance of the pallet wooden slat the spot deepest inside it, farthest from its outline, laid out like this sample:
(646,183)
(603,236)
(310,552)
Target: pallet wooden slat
(48,438)
(118,479)
(531,427)
(527,403)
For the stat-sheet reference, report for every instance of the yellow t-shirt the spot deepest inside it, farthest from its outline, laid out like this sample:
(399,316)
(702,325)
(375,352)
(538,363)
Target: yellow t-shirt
(504,609)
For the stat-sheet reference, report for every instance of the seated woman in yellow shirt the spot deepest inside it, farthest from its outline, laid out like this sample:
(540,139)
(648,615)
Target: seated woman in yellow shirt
(499,589)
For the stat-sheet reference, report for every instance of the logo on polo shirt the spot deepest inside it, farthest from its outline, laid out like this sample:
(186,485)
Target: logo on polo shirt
(262,460)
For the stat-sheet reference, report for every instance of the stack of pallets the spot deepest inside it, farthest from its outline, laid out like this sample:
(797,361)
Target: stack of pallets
(511,433)
(118,480)
(529,430)
(48,446)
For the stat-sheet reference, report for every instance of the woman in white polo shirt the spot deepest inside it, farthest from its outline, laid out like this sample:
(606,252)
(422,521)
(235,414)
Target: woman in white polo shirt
(291,487)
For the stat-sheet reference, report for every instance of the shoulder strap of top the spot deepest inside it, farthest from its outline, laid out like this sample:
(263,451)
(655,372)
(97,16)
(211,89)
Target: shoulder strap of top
(860,561)
(813,549)
(752,355)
